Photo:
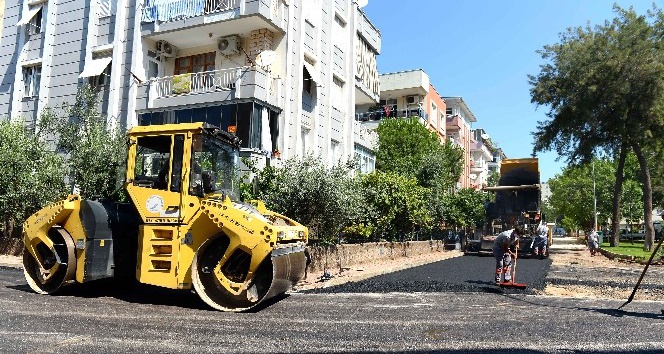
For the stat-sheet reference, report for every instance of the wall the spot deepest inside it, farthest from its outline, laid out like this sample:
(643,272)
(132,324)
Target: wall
(347,255)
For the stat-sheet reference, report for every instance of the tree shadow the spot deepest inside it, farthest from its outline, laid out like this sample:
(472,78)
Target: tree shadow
(603,311)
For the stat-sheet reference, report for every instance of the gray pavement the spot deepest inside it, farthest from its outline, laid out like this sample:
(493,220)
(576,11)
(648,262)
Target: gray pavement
(101,317)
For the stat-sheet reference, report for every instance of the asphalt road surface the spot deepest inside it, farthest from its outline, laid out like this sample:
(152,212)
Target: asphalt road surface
(468,273)
(447,307)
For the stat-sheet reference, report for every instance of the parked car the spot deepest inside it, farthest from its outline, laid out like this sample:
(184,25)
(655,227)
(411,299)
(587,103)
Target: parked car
(626,235)
(559,232)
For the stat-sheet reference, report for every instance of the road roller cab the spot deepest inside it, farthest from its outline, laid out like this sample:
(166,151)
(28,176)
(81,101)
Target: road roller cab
(184,228)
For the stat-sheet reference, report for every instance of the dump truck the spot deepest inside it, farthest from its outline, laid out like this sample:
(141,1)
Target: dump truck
(184,227)
(516,203)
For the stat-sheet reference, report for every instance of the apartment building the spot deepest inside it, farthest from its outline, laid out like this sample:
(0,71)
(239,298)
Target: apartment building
(285,76)
(459,118)
(2,11)
(406,94)
(498,156)
(481,149)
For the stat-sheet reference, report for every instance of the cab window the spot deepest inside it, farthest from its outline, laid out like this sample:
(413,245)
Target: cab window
(153,159)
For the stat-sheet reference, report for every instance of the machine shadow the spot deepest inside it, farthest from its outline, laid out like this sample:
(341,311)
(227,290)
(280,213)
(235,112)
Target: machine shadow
(137,293)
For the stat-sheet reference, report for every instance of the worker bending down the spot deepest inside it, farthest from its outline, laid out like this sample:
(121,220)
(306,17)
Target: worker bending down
(503,253)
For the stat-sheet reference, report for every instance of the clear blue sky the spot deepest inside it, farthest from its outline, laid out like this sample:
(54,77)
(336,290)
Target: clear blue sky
(483,50)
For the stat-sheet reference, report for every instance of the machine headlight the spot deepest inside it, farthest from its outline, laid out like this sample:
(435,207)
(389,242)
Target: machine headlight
(301,234)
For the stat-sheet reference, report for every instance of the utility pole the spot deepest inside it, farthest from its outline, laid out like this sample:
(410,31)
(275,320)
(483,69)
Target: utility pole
(594,198)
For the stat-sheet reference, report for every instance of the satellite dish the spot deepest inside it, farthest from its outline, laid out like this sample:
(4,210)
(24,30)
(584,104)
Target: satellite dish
(362,3)
(266,58)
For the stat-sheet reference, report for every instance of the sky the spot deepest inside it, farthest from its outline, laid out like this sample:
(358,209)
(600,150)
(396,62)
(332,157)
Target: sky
(483,51)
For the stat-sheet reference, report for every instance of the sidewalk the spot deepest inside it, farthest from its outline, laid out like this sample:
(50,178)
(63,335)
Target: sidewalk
(11,261)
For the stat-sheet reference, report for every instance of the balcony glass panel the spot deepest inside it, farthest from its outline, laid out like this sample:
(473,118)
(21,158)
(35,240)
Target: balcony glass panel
(174,10)
(391,113)
(207,81)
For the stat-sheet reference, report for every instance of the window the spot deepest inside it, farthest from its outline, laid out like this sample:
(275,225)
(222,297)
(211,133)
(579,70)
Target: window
(31,81)
(106,8)
(339,21)
(214,167)
(339,59)
(308,93)
(35,24)
(449,112)
(338,99)
(365,159)
(195,63)
(153,64)
(153,158)
(309,36)
(334,152)
(304,137)
(103,79)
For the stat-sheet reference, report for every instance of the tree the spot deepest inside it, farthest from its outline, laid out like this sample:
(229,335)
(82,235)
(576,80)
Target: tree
(572,193)
(604,87)
(32,176)
(326,200)
(96,152)
(397,203)
(465,208)
(407,147)
(492,180)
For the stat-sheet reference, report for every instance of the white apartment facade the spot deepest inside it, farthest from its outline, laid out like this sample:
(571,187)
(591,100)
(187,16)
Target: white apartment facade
(285,76)
(481,149)
(459,124)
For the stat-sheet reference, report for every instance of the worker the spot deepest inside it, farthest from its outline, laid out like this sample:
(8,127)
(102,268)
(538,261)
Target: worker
(503,253)
(540,240)
(593,242)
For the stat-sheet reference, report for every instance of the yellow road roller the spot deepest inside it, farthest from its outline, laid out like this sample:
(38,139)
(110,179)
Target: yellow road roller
(184,227)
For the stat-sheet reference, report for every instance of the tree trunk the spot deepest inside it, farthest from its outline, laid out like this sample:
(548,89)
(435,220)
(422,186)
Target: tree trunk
(647,198)
(617,192)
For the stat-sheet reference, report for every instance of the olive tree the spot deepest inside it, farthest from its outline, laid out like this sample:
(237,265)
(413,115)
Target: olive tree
(31,177)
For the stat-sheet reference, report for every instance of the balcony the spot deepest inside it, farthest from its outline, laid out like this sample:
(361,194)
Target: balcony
(478,166)
(399,113)
(368,31)
(207,87)
(365,136)
(181,22)
(454,123)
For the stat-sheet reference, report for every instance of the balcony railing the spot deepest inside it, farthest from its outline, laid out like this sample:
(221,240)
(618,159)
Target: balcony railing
(399,113)
(207,81)
(174,10)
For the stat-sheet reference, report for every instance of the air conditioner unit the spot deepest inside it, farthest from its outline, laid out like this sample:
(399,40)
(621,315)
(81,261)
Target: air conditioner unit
(411,99)
(229,45)
(165,50)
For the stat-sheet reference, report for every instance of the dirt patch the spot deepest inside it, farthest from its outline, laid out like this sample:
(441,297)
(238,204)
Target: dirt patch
(575,273)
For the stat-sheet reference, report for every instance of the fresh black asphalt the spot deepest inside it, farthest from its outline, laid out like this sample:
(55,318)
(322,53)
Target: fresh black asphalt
(470,273)
(99,317)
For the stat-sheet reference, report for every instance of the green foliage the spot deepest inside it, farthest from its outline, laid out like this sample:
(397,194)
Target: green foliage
(492,180)
(602,85)
(465,208)
(32,176)
(96,153)
(408,148)
(395,205)
(326,200)
(572,193)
